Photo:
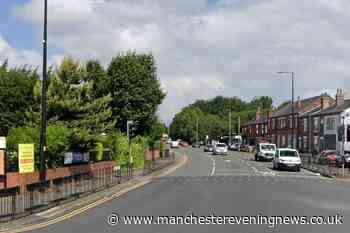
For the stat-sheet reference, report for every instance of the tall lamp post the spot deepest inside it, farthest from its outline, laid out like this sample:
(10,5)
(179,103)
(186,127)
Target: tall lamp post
(291,73)
(43,100)
(128,124)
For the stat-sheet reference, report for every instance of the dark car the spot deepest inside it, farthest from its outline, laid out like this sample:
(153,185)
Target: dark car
(343,159)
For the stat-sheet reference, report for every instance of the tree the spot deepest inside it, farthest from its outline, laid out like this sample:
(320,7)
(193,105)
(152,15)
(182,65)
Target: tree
(135,89)
(17,97)
(73,101)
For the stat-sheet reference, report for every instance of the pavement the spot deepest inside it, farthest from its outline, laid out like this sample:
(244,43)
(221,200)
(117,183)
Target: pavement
(232,185)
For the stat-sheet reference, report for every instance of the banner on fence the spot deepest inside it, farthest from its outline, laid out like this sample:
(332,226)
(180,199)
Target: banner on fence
(26,158)
(2,162)
(3,143)
(76,157)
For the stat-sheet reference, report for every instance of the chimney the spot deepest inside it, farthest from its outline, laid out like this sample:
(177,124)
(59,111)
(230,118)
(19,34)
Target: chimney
(339,97)
(325,101)
(299,103)
(258,114)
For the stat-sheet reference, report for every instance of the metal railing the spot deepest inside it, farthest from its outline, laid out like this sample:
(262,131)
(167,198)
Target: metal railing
(37,198)
(326,168)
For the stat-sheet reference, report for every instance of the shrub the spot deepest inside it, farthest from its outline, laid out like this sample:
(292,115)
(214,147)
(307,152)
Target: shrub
(139,146)
(99,151)
(58,142)
(121,148)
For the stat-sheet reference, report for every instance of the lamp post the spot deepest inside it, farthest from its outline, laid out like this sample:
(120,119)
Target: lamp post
(293,117)
(42,147)
(128,124)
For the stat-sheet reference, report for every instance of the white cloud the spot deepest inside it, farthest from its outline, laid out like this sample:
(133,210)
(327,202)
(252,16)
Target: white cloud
(234,48)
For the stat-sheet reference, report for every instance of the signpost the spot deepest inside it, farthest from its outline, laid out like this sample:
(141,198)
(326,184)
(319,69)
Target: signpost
(26,158)
(2,162)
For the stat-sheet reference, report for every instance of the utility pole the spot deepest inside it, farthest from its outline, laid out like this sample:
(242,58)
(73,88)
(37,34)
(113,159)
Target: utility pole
(42,147)
(239,125)
(197,130)
(230,129)
(128,123)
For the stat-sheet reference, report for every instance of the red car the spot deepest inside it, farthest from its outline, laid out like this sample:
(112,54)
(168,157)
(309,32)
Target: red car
(328,156)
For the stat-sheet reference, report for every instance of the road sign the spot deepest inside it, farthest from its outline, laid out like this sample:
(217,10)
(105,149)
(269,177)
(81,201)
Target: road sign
(3,143)
(26,158)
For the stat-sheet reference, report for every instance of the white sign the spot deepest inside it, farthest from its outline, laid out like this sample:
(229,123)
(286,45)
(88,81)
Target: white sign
(2,142)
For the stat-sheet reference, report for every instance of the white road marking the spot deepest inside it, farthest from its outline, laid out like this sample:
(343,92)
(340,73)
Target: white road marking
(213,168)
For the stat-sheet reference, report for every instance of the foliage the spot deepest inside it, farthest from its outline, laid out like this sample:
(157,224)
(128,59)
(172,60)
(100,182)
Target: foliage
(58,142)
(138,150)
(213,117)
(99,151)
(121,148)
(135,89)
(17,97)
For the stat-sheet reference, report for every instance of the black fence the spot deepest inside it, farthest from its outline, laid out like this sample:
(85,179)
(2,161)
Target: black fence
(40,197)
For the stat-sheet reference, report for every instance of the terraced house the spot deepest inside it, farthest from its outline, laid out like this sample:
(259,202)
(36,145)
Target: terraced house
(255,130)
(280,126)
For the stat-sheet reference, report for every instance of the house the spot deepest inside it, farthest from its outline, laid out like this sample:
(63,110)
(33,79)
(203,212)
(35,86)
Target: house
(255,130)
(280,123)
(331,122)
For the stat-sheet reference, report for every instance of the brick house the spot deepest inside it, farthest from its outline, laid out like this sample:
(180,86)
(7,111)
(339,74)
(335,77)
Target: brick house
(254,130)
(327,124)
(280,122)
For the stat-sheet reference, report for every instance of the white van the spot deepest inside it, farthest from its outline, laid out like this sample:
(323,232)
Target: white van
(265,151)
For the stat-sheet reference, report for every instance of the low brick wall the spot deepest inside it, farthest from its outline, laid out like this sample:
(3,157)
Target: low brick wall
(15,179)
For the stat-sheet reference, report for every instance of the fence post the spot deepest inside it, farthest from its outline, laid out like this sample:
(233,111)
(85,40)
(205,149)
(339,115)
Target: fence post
(14,197)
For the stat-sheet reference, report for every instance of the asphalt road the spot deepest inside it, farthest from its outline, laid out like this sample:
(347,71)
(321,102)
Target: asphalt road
(232,185)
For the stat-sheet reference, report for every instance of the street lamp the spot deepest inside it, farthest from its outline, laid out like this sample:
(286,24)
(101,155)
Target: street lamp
(128,124)
(42,147)
(293,120)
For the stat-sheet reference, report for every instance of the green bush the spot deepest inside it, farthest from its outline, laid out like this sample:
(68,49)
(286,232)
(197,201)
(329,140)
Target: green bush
(121,148)
(139,146)
(23,135)
(58,142)
(99,151)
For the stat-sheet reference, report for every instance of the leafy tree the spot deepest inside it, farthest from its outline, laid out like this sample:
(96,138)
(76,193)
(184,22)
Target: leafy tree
(73,102)
(17,97)
(58,142)
(135,89)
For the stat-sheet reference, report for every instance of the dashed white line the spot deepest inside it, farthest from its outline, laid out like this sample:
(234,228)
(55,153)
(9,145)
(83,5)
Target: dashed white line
(213,168)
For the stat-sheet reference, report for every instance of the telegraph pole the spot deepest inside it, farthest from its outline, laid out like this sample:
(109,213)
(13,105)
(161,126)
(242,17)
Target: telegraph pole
(197,130)
(43,100)
(239,125)
(230,129)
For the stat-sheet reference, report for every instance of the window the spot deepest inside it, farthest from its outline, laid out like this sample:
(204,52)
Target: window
(299,142)
(305,125)
(289,140)
(305,142)
(283,140)
(273,123)
(348,133)
(330,124)
(316,142)
(290,122)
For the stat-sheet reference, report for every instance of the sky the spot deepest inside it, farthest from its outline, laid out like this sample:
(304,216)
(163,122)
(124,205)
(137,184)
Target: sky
(203,48)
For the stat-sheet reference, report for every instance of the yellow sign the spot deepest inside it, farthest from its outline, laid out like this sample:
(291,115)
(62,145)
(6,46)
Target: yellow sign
(26,158)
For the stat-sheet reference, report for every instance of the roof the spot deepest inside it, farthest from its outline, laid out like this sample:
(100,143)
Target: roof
(334,108)
(287,110)
(261,120)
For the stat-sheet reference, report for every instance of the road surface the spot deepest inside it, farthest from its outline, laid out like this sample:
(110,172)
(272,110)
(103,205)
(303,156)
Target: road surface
(232,185)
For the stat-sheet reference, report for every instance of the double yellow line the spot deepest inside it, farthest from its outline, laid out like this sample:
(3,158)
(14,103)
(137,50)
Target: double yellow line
(96,203)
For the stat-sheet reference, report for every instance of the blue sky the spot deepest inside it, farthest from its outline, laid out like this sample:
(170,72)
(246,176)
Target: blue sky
(203,48)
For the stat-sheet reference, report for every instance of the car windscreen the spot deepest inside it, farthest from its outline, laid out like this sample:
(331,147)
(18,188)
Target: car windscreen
(288,153)
(221,145)
(268,147)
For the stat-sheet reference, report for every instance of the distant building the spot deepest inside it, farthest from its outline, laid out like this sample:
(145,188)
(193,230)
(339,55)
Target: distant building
(255,130)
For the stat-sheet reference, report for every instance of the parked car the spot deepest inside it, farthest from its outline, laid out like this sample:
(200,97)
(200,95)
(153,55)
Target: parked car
(235,147)
(265,151)
(327,157)
(287,158)
(183,144)
(196,145)
(220,149)
(174,144)
(246,148)
(343,159)
(209,148)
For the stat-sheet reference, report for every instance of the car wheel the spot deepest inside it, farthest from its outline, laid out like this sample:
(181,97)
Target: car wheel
(256,158)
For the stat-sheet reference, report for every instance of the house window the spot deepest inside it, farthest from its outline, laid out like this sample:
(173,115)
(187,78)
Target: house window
(330,124)
(290,122)
(257,129)
(299,142)
(289,140)
(273,123)
(316,142)
(283,140)
(348,133)
(304,142)
(305,125)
